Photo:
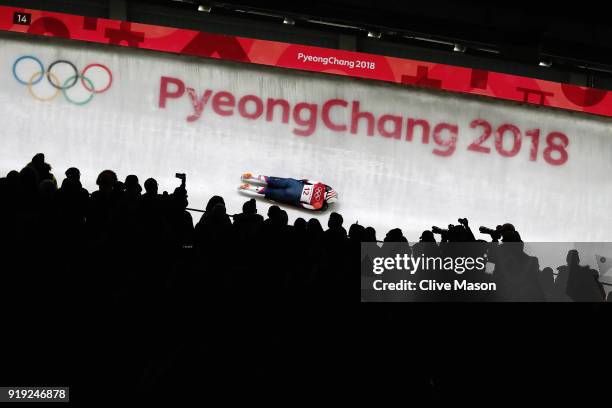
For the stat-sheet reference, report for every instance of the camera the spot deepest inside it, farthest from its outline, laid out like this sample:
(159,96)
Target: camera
(486,230)
(438,230)
(182,177)
(462,221)
(494,233)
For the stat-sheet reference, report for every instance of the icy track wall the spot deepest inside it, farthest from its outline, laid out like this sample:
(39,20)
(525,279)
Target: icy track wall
(398,156)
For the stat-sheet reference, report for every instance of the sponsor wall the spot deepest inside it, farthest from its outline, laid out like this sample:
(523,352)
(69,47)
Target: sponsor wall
(399,157)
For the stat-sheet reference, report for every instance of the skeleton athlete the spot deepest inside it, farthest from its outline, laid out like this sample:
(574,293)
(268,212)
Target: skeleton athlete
(308,194)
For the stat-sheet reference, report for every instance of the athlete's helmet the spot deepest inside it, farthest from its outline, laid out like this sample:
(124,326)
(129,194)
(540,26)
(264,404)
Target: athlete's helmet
(330,195)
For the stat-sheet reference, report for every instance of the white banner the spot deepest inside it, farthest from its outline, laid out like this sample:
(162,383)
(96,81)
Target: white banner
(398,156)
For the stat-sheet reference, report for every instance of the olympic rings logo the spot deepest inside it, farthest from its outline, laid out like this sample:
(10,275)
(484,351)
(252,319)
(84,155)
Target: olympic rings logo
(30,80)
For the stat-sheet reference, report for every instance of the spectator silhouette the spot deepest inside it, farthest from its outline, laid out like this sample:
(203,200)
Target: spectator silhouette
(42,169)
(356,233)
(300,225)
(426,247)
(273,226)
(369,235)
(335,233)
(547,282)
(179,219)
(300,231)
(247,226)
(249,218)
(151,187)
(150,200)
(130,199)
(582,282)
(516,273)
(284,219)
(395,235)
(274,215)
(215,225)
(132,186)
(315,232)
(214,200)
(73,197)
(29,188)
(426,240)
(103,205)
(73,174)
(11,193)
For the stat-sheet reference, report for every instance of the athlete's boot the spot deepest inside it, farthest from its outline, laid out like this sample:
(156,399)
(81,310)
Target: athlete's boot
(249,177)
(251,189)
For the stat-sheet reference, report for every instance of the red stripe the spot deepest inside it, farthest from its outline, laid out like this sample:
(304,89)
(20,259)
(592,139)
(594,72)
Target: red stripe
(279,54)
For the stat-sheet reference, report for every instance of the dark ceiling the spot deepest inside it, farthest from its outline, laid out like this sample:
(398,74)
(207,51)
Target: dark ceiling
(520,30)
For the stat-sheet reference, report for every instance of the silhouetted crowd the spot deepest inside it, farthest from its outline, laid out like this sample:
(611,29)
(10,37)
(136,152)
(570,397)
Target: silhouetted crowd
(130,268)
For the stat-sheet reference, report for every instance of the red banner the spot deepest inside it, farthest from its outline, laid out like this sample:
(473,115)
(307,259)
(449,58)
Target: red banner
(316,59)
